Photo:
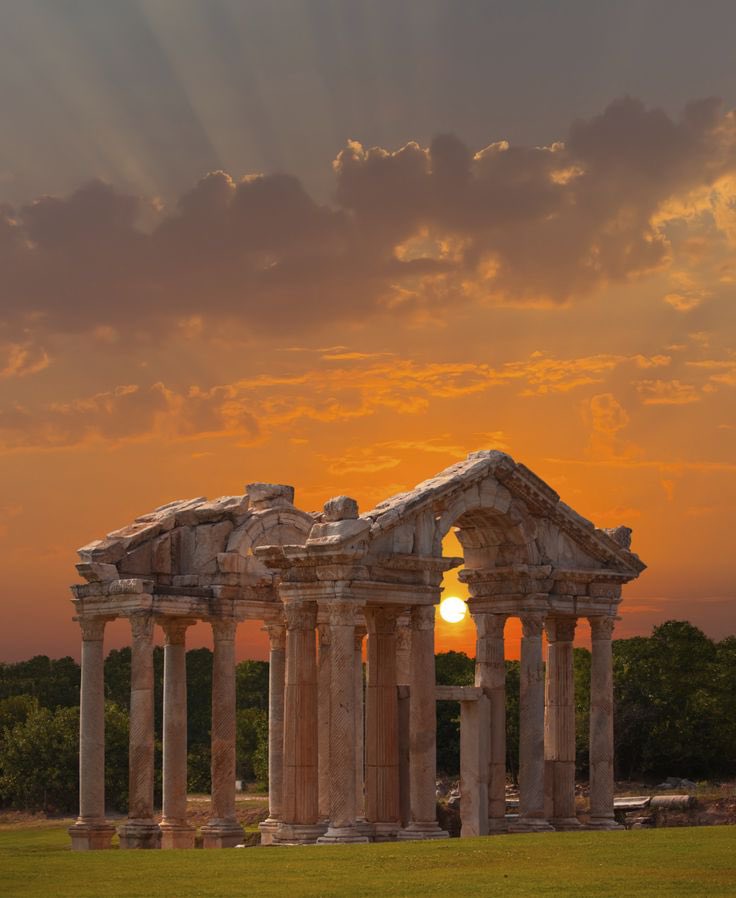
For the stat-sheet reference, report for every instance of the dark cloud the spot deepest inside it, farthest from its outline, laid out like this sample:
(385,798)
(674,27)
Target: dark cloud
(413,228)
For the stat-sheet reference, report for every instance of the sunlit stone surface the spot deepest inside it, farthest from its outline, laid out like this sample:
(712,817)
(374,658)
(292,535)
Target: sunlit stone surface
(341,573)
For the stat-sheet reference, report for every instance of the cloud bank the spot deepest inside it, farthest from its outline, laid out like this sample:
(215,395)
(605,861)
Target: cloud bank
(412,232)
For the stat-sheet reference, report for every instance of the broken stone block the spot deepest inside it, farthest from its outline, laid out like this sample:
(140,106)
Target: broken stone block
(269,495)
(96,571)
(340,508)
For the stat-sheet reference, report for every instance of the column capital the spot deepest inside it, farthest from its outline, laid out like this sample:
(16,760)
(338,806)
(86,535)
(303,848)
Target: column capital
(343,614)
(560,629)
(382,618)
(300,615)
(532,623)
(175,629)
(488,623)
(601,628)
(276,635)
(422,617)
(93,628)
(223,629)
(141,625)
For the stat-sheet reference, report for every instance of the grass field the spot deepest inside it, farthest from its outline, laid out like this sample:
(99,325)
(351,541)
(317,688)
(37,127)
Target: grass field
(36,861)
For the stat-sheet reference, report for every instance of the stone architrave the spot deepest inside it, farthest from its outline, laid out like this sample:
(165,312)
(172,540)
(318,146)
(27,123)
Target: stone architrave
(276,672)
(490,675)
(91,830)
(140,830)
(531,727)
(342,792)
(381,736)
(300,814)
(423,725)
(601,724)
(324,667)
(175,831)
(559,723)
(222,829)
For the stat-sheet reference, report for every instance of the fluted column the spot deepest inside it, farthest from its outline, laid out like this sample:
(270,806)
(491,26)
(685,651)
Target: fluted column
(175,831)
(359,724)
(91,830)
(423,727)
(490,674)
(222,829)
(299,823)
(403,678)
(559,723)
(276,672)
(324,668)
(140,830)
(342,791)
(381,745)
(531,727)
(601,724)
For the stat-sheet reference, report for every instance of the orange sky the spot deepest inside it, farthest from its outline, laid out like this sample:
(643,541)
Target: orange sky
(355,304)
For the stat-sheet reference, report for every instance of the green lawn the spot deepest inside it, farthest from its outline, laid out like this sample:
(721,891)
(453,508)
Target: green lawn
(36,861)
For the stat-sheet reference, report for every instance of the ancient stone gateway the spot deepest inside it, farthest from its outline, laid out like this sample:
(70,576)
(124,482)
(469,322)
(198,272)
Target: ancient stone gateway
(321,583)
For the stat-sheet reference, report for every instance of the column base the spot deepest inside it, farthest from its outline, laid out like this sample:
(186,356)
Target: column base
(531,825)
(177,835)
(298,833)
(267,830)
(418,831)
(384,831)
(91,836)
(364,828)
(603,823)
(225,834)
(565,823)
(337,835)
(497,825)
(140,835)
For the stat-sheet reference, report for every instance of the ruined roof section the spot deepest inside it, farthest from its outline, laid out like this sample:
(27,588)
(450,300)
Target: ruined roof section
(540,498)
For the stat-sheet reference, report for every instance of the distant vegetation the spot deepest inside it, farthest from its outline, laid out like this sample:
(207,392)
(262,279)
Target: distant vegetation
(675,694)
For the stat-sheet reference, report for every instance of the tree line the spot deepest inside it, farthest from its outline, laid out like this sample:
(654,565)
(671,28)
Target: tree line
(674,692)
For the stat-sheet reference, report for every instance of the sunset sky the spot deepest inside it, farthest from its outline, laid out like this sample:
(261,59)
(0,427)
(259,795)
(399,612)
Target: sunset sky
(342,244)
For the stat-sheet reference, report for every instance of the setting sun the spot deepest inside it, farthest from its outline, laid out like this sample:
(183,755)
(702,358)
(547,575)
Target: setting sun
(453,609)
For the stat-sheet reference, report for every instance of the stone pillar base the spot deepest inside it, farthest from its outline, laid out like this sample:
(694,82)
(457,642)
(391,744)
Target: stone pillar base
(91,836)
(497,825)
(416,831)
(364,828)
(337,835)
(298,833)
(531,825)
(268,830)
(603,823)
(565,823)
(140,835)
(222,835)
(177,835)
(385,832)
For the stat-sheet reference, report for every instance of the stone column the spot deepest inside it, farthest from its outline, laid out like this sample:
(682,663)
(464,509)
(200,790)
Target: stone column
(141,831)
(474,738)
(299,823)
(175,831)
(601,724)
(91,830)
(359,725)
(531,727)
(276,673)
(222,829)
(559,723)
(342,791)
(381,738)
(323,718)
(423,736)
(490,674)
(403,678)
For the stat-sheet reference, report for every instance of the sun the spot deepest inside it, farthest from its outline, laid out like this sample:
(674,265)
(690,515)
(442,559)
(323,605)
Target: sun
(453,609)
